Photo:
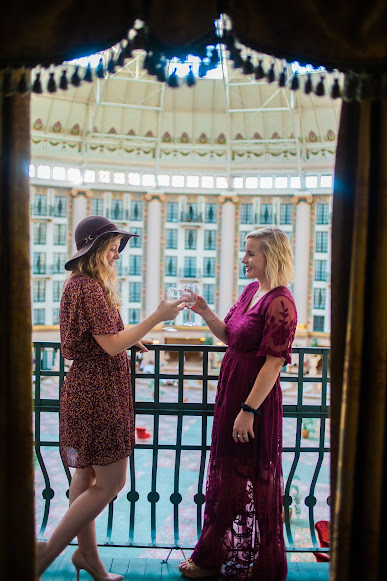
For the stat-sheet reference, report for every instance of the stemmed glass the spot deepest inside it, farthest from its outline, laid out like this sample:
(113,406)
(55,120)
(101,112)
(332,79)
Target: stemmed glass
(191,290)
(173,294)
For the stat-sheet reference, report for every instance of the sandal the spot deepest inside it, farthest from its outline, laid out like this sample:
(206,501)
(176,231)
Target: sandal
(189,569)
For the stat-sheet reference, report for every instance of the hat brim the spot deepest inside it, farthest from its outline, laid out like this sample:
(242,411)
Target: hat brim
(125,237)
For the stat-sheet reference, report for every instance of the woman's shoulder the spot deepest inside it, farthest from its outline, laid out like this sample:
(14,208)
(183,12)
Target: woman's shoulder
(280,293)
(82,284)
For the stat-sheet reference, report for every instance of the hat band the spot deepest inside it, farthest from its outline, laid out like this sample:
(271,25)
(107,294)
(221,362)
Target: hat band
(102,230)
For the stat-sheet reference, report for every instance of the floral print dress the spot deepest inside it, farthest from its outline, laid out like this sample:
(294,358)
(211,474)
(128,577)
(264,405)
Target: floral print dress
(243,530)
(96,407)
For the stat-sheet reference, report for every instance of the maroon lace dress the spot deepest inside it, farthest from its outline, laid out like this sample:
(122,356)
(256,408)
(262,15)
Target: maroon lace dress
(243,526)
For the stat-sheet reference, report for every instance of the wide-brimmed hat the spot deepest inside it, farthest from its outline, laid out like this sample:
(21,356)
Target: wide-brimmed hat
(89,230)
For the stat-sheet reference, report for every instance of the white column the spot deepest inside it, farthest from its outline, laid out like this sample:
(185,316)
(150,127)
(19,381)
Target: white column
(301,259)
(153,256)
(226,273)
(79,210)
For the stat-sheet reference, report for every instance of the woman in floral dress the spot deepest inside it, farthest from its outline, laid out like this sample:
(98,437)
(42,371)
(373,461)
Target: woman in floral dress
(242,536)
(96,408)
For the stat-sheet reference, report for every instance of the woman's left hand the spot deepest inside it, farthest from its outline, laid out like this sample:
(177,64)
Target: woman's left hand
(141,345)
(243,427)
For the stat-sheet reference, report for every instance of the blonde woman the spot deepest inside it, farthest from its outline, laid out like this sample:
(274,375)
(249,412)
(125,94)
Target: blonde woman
(96,408)
(242,536)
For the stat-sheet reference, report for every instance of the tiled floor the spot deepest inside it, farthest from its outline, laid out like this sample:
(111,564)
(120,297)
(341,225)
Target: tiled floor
(154,570)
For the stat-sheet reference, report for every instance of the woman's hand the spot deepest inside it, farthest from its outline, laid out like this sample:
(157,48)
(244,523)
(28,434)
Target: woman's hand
(168,311)
(243,427)
(201,308)
(141,345)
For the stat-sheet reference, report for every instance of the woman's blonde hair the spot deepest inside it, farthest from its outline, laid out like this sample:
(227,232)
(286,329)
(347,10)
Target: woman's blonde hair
(276,247)
(92,264)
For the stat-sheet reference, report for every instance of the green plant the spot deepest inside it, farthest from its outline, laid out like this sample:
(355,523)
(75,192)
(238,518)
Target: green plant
(309,424)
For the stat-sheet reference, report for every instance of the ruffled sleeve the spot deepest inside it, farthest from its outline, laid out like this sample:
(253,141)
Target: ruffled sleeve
(279,329)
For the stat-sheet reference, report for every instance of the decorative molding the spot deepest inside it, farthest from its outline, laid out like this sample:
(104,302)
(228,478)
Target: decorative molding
(149,197)
(230,198)
(307,199)
(74,192)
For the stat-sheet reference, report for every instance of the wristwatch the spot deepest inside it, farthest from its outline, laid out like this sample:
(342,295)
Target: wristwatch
(247,408)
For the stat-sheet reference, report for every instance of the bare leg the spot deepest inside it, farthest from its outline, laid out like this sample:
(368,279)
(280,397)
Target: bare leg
(84,509)
(87,539)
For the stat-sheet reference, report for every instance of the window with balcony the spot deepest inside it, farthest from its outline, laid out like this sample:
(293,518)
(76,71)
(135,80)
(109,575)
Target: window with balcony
(320,270)
(172,211)
(209,267)
(38,291)
(266,214)
(39,316)
(190,239)
(136,209)
(55,316)
(40,207)
(135,265)
(40,232)
(39,263)
(191,213)
(117,210)
(190,266)
(209,239)
(286,213)
(97,207)
(135,241)
(321,241)
(322,213)
(247,216)
(171,238)
(209,293)
(135,292)
(57,286)
(318,323)
(60,206)
(134,316)
(60,234)
(319,298)
(171,266)
(58,262)
(211,211)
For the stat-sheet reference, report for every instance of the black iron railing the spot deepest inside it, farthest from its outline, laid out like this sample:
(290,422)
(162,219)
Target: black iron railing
(160,398)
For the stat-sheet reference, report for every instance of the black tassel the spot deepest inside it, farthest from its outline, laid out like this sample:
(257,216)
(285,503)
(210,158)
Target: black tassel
(51,84)
(295,84)
(259,71)
(75,78)
(203,69)
(111,66)
(350,87)
(63,82)
(235,56)
(88,76)
(127,50)
(172,80)
(160,73)
(335,91)
(8,85)
(282,78)
(271,74)
(248,67)
(308,85)
(214,59)
(37,85)
(99,71)
(320,89)
(22,86)
(191,81)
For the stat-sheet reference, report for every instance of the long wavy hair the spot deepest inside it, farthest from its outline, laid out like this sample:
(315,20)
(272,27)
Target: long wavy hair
(276,247)
(92,264)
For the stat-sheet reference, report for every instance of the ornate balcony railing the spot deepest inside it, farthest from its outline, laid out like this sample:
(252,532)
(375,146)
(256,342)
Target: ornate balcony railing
(163,503)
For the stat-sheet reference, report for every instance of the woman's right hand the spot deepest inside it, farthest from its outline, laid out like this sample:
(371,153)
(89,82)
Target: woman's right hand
(167,311)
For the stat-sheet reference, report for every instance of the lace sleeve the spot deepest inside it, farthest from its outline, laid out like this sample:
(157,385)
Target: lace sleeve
(279,330)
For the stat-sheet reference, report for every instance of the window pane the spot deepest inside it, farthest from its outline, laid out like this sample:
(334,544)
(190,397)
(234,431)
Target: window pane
(171,238)
(135,265)
(117,210)
(97,206)
(209,240)
(211,213)
(40,232)
(136,210)
(58,262)
(134,316)
(40,205)
(60,206)
(286,213)
(60,234)
(319,298)
(266,214)
(190,266)
(172,211)
(209,293)
(56,290)
(322,213)
(321,241)
(247,214)
(190,239)
(39,316)
(209,267)
(135,292)
(318,323)
(39,291)
(171,266)
(39,263)
(320,270)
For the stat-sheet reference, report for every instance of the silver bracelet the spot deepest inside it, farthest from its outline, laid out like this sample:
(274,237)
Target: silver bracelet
(213,319)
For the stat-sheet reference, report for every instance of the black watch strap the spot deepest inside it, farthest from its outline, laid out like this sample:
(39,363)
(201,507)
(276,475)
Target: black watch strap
(247,408)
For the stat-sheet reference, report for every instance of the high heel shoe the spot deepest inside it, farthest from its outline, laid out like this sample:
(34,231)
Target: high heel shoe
(80,562)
